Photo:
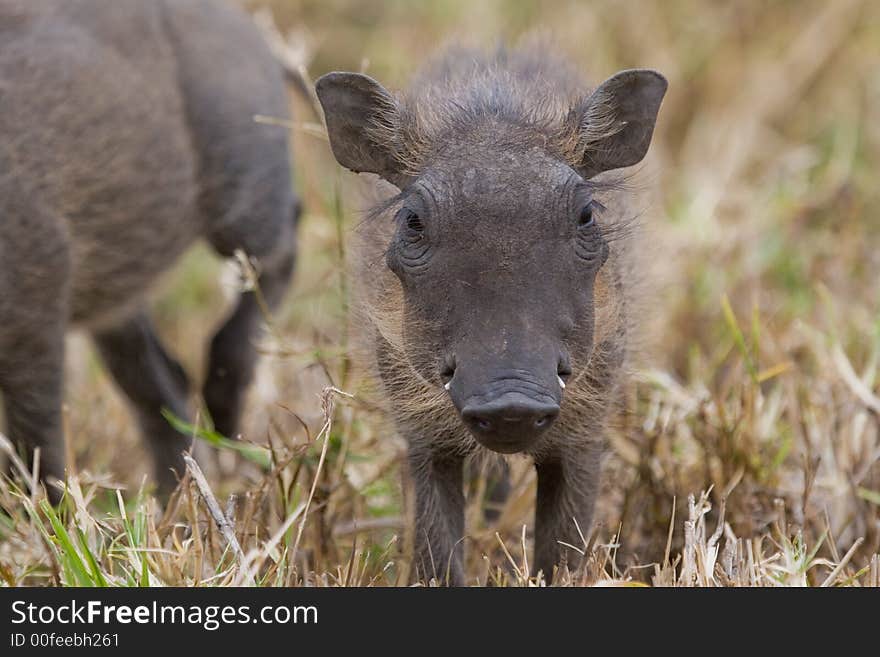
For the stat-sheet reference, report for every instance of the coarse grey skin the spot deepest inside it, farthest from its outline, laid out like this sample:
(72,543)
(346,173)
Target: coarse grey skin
(127,133)
(495,287)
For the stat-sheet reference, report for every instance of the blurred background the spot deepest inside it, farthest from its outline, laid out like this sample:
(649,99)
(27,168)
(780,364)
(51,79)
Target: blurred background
(757,379)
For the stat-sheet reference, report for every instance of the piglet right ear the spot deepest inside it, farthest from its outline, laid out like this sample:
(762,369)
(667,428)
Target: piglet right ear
(617,121)
(362,121)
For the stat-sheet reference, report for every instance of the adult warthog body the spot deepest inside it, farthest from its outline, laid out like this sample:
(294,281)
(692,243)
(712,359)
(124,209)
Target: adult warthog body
(126,133)
(496,286)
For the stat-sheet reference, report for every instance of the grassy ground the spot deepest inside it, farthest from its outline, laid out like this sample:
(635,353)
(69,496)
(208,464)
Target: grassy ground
(750,450)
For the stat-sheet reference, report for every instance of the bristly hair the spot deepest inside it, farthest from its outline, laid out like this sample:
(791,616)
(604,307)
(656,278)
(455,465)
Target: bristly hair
(529,88)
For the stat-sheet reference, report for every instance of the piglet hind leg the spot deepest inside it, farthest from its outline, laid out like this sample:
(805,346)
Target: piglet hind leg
(568,482)
(34,306)
(153,382)
(31,381)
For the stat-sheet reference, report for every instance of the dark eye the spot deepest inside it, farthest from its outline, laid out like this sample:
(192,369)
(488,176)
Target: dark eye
(412,220)
(586,218)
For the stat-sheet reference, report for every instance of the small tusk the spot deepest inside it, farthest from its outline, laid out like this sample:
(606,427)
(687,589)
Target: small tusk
(561,382)
(447,385)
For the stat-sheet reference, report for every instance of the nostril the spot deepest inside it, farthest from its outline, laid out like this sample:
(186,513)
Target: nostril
(510,419)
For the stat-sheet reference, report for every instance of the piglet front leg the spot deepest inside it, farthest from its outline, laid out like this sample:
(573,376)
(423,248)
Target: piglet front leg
(568,482)
(439,515)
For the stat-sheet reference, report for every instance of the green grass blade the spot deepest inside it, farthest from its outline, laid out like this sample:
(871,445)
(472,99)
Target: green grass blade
(738,337)
(254,453)
(69,556)
(97,575)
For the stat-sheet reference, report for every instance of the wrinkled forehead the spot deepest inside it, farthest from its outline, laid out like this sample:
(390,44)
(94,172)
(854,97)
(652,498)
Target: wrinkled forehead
(487,182)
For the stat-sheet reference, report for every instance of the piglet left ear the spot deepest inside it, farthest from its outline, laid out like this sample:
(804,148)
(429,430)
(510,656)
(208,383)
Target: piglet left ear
(616,122)
(355,105)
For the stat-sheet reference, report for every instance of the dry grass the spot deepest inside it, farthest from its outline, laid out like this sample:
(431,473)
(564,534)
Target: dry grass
(750,450)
